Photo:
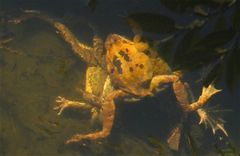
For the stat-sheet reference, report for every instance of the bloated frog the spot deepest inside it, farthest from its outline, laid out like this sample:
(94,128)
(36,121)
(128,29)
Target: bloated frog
(127,71)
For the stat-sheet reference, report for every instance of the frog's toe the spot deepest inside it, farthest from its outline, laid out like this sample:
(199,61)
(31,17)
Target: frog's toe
(60,99)
(60,108)
(78,138)
(62,104)
(214,123)
(209,91)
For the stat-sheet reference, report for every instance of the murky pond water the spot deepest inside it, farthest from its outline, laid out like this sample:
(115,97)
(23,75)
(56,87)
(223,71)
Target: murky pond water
(37,65)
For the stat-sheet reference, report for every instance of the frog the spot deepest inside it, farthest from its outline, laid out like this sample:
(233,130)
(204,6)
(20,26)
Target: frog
(127,71)
(131,73)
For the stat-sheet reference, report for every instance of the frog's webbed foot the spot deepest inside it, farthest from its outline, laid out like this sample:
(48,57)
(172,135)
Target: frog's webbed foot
(180,92)
(108,112)
(64,103)
(207,93)
(214,123)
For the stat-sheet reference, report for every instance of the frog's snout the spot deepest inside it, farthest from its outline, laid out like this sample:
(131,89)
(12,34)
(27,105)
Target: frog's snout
(111,39)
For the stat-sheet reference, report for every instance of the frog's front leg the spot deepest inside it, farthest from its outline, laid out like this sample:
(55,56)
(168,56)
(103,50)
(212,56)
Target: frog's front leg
(98,46)
(108,112)
(180,92)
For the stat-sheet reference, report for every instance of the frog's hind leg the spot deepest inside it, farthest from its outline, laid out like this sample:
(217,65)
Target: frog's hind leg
(108,112)
(180,91)
(64,104)
(206,118)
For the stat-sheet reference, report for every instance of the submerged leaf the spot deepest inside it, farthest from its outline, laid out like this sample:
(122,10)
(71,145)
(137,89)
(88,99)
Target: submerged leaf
(174,138)
(236,18)
(180,6)
(92,4)
(218,38)
(193,52)
(151,22)
(232,69)
(220,24)
(200,11)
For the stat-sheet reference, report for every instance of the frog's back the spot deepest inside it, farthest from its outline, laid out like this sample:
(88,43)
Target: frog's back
(129,69)
(160,67)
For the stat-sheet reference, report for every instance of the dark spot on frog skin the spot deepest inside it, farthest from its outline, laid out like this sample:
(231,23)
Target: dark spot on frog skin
(126,49)
(141,66)
(130,69)
(112,70)
(136,65)
(146,84)
(124,55)
(117,64)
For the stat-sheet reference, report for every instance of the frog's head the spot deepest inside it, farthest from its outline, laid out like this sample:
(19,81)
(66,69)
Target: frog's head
(114,40)
(120,41)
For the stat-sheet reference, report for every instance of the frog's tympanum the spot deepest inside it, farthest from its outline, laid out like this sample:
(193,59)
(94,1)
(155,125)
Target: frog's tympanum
(125,69)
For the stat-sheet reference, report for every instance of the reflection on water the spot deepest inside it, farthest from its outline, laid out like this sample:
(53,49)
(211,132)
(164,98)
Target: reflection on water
(36,66)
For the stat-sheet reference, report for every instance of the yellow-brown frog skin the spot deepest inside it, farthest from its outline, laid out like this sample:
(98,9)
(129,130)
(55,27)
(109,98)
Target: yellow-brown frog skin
(130,69)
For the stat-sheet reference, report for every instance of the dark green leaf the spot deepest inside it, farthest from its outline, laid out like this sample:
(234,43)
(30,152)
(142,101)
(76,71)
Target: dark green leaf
(166,51)
(216,39)
(151,22)
(92,4)
(232,69)
(236,18)
(221,1)
(185,5)
(179,5)
(213,73)
(193,52)
(220,24)
(199,10)
(183,49)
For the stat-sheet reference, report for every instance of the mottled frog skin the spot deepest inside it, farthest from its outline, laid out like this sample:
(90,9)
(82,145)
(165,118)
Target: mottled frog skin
(125,69)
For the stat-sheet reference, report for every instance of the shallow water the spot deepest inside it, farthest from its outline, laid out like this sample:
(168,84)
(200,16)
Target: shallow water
(40,66)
